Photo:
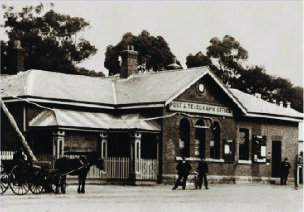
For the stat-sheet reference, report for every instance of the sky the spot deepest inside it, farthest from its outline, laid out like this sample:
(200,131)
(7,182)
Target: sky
(271,31)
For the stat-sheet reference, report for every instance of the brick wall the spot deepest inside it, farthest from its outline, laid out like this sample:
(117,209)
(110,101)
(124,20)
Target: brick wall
(272,129)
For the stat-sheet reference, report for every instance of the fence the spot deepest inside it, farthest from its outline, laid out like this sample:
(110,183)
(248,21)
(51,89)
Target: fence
(148,169)
(7,155)
(114,167)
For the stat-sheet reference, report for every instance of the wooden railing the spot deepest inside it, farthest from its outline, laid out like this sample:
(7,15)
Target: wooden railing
(114,167)
(117,167)
(7,155)
(148,169)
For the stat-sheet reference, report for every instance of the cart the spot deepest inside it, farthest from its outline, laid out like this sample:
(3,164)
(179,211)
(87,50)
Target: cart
(35,177)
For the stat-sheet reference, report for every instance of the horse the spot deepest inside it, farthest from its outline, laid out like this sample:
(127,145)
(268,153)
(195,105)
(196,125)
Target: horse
(77,166)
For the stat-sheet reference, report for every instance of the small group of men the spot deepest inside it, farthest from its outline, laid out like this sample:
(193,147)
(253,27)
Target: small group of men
(183,169)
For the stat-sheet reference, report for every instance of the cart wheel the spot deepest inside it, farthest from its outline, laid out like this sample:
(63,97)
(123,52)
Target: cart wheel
(36,184)
(63,184)
(4,182)
(19,179)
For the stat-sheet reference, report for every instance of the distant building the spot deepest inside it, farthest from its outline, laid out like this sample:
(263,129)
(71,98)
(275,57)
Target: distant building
(142,123)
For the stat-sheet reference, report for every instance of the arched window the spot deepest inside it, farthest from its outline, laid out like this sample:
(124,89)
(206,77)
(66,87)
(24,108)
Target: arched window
(200,139)
(215,143)
(184,143)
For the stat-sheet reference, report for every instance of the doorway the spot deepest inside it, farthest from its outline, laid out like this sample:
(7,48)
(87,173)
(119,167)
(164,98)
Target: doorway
(276,158)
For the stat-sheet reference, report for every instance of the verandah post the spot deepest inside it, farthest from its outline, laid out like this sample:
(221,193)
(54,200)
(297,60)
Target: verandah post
(135,156)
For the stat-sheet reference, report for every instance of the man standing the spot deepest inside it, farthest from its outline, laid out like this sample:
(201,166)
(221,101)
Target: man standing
(202,170)
(285,166)
(183,168)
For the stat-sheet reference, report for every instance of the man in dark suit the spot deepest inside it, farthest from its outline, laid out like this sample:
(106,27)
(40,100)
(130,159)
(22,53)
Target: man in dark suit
(285,166)
(202,170)
(183,168)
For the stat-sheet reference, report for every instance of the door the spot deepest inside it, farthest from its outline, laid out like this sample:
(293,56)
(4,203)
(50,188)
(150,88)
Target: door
(276,158)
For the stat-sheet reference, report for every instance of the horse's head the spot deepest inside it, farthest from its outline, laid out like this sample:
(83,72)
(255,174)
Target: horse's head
(94,159)
(100,164)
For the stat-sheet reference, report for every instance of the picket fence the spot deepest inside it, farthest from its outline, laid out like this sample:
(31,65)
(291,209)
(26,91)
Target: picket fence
(114,167)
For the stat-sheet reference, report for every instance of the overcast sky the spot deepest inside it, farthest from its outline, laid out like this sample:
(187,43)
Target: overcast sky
(272,31)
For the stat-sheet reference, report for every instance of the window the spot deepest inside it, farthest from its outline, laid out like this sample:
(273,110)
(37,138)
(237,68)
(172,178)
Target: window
(259,148)
(184,139)
(200,139)
(229,150)
(215,143)
(244,144)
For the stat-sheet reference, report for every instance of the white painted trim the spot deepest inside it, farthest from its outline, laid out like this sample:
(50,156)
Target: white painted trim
(274,117)
(185,88)
(70,103)
(214,160)
(114,93)
(24,118)
(245,162)
(141,106)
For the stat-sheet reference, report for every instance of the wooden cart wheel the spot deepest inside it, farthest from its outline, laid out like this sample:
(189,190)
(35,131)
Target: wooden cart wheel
(36,184)
(19,179)
(4,182)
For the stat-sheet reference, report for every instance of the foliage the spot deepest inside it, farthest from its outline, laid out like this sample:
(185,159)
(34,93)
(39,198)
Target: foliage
(50,39)
(154,53)
(197,60)
(229,56)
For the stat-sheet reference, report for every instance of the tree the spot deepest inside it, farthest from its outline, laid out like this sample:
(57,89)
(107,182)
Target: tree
(154,53)
(50,39)
(229,54)
(197,60)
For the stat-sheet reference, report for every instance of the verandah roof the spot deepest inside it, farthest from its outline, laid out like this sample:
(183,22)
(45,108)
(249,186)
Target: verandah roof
(93,120)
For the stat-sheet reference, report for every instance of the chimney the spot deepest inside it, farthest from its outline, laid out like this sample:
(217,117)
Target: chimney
(274,101)
(288,105)
(281,103)
(129,62)
(16,58)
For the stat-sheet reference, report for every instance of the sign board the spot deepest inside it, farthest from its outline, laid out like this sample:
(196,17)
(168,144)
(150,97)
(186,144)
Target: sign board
(200,108)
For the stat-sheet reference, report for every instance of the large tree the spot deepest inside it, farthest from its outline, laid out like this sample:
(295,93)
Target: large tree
(154,53)
(230,55)
(50,39)
(227,57)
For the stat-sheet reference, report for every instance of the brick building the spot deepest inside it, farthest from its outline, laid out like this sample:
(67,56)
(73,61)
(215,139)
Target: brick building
(141,123)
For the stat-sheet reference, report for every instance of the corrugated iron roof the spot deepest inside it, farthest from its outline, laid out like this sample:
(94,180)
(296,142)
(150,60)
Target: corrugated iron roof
(260,106)
(93,120)
(157,87)
(52,85)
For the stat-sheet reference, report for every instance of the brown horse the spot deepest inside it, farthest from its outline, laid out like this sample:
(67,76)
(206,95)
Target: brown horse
(77,166)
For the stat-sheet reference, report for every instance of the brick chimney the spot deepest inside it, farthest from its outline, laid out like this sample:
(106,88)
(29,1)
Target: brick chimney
(129,62)
(16,58)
